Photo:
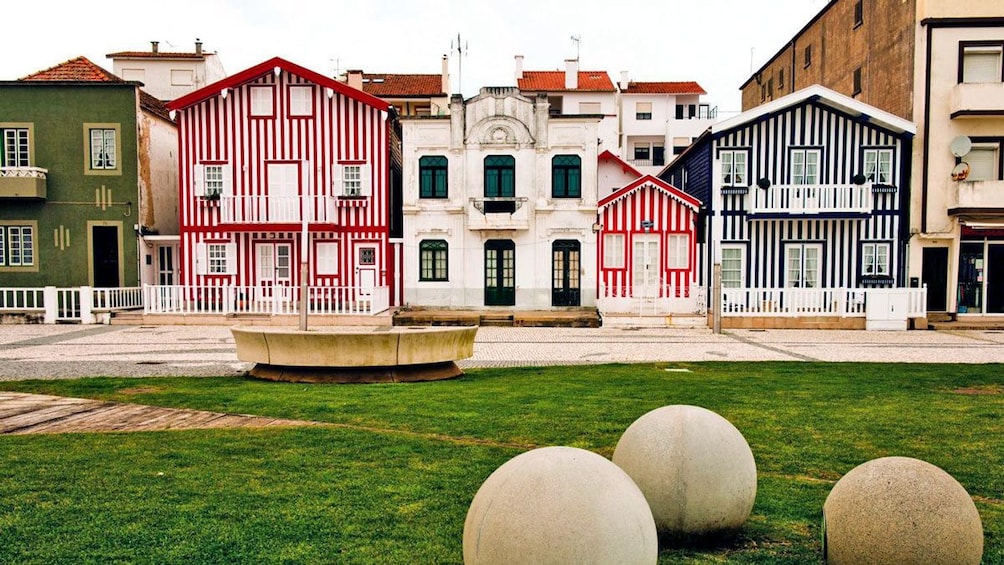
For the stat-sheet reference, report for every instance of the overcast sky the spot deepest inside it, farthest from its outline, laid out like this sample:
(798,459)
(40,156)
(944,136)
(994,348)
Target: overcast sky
(714,42)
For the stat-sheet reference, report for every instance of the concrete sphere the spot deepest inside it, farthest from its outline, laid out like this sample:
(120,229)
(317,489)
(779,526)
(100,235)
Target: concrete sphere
(559,505)
(903,511)
(694,467)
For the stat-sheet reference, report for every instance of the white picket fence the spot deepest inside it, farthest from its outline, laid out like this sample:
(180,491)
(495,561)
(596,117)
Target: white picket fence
(796,302)
(82,304)
(652,300)
(270,300)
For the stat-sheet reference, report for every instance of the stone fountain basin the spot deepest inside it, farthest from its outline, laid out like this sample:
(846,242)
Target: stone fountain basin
(362,354)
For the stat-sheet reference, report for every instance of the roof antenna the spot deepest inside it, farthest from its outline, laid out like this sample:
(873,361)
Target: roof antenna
(461,53)
(578,40)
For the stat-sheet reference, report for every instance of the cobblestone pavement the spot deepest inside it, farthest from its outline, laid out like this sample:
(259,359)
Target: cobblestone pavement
(67,351)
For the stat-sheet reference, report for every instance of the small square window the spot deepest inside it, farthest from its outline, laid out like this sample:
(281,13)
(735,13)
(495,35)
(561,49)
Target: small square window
(262,103)
(103,149)
(643,111)
(613,251)
(182,77)
(352,180)
(301,101)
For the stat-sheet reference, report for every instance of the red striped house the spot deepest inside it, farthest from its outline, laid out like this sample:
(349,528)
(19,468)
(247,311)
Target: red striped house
(275,157)
(646,244)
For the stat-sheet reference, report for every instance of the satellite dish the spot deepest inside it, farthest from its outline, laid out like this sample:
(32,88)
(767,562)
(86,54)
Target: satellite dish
(960,172)
(961,146)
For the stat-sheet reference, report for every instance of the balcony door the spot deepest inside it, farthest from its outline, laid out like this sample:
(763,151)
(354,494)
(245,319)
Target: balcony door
(500,273)
(283,191)
(565,261)
(803,264)
(274,271)
(645,265)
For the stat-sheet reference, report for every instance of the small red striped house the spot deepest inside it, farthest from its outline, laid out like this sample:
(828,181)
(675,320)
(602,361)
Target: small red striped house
(280,166)
(646,243)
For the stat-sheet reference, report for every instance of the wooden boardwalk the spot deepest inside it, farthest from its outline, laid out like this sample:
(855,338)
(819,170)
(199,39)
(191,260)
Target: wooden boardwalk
(41,414)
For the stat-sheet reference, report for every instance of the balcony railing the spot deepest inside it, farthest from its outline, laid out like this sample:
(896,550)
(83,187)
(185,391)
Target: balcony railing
(977,99)
(498,213)
(23,182)
(239,209)
(801,302)
(976,194)
(811,199)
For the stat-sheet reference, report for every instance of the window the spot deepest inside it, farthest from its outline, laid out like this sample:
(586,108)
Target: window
(327,258)
(875,259)
(734,168)
(500,176)
(679,111)
(351,180)
(214,180)
(856,87)
(859,13)
(804,166)
(216,254)
(613,251)
(367,256)
(182,77)
(770,87)
(878,166)
(210,180)
(17,246)
(678,251)
(14,152)
(984,160)
(589,107)
(803,264)
(763,92)
(134,74)
(981,63)
(433,260)
(301,101)
(732,266)
(261,101)
(780,78)
(642,151)
(643,111)
(808,55)
(103,149)
(432,177)
(566,173)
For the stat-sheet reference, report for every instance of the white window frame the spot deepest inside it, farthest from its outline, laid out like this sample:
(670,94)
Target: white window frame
(992,53)
(17,245)
(103,149)
(804,163)
(735,167)
(678,251)
(875,259)
(216,258)
(987,167)
(351,180)
(16,147)
(262,101)
(211,257)
(736,265)
(301,101)
(613,250)
(212,179)
(797,252)
(643,111)
(878,165)
(327,257)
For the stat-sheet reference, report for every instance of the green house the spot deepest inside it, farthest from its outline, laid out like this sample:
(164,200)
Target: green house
(87,169)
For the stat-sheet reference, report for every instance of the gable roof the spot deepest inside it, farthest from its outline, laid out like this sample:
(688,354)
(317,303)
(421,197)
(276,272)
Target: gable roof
(661,185)
(554,81)
(686,87)
(79,69)
(826,97)
(607,155)
(265,67)
(387,85)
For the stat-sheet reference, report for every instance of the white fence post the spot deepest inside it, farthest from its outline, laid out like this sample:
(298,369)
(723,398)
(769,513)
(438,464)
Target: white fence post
(87,305)
(50,298)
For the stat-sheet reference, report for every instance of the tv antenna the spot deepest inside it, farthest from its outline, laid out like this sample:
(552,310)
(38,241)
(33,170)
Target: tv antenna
(461,48)
(578,40)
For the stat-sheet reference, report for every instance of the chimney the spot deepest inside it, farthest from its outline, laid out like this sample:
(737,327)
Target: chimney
(519,67)
(446,74)
(354,78)
(624,81)
(154,46)
(571,74)
(198,46)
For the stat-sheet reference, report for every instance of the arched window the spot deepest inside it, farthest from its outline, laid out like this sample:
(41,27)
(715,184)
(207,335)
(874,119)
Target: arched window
(433,260)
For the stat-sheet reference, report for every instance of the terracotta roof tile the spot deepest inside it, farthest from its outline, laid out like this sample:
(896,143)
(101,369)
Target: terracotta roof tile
(80,69)
(152,104)
(688,87)
(390,85)
(553,81)
(157,55)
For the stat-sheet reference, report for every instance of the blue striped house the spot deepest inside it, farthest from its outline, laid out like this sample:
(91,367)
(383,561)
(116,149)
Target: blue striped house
(809,191)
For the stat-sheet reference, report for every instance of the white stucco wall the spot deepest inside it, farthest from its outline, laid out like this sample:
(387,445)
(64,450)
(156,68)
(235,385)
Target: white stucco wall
(155,74)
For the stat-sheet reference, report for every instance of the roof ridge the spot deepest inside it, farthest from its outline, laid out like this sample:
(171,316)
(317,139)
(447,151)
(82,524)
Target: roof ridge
(80,69)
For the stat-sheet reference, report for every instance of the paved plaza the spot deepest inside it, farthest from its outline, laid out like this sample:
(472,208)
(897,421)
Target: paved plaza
(67,351)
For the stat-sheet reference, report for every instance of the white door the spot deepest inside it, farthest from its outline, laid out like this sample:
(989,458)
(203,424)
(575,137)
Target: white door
(645,266)
(803,264)
(273,271)
(366,268)
(283,192)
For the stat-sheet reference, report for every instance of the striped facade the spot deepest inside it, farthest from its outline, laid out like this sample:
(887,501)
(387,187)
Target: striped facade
(761,217)
(647,241)
(281,171)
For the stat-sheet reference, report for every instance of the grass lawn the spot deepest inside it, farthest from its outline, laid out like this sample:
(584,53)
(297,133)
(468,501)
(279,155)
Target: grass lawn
(391,481)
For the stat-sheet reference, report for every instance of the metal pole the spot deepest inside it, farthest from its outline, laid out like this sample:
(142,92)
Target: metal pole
(304,243)
(716,298)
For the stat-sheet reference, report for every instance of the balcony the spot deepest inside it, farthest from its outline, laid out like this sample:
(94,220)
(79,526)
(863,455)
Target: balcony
(977,99)
(975,196)
(498,213)
(810,200)
(275,209)
(22,182)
